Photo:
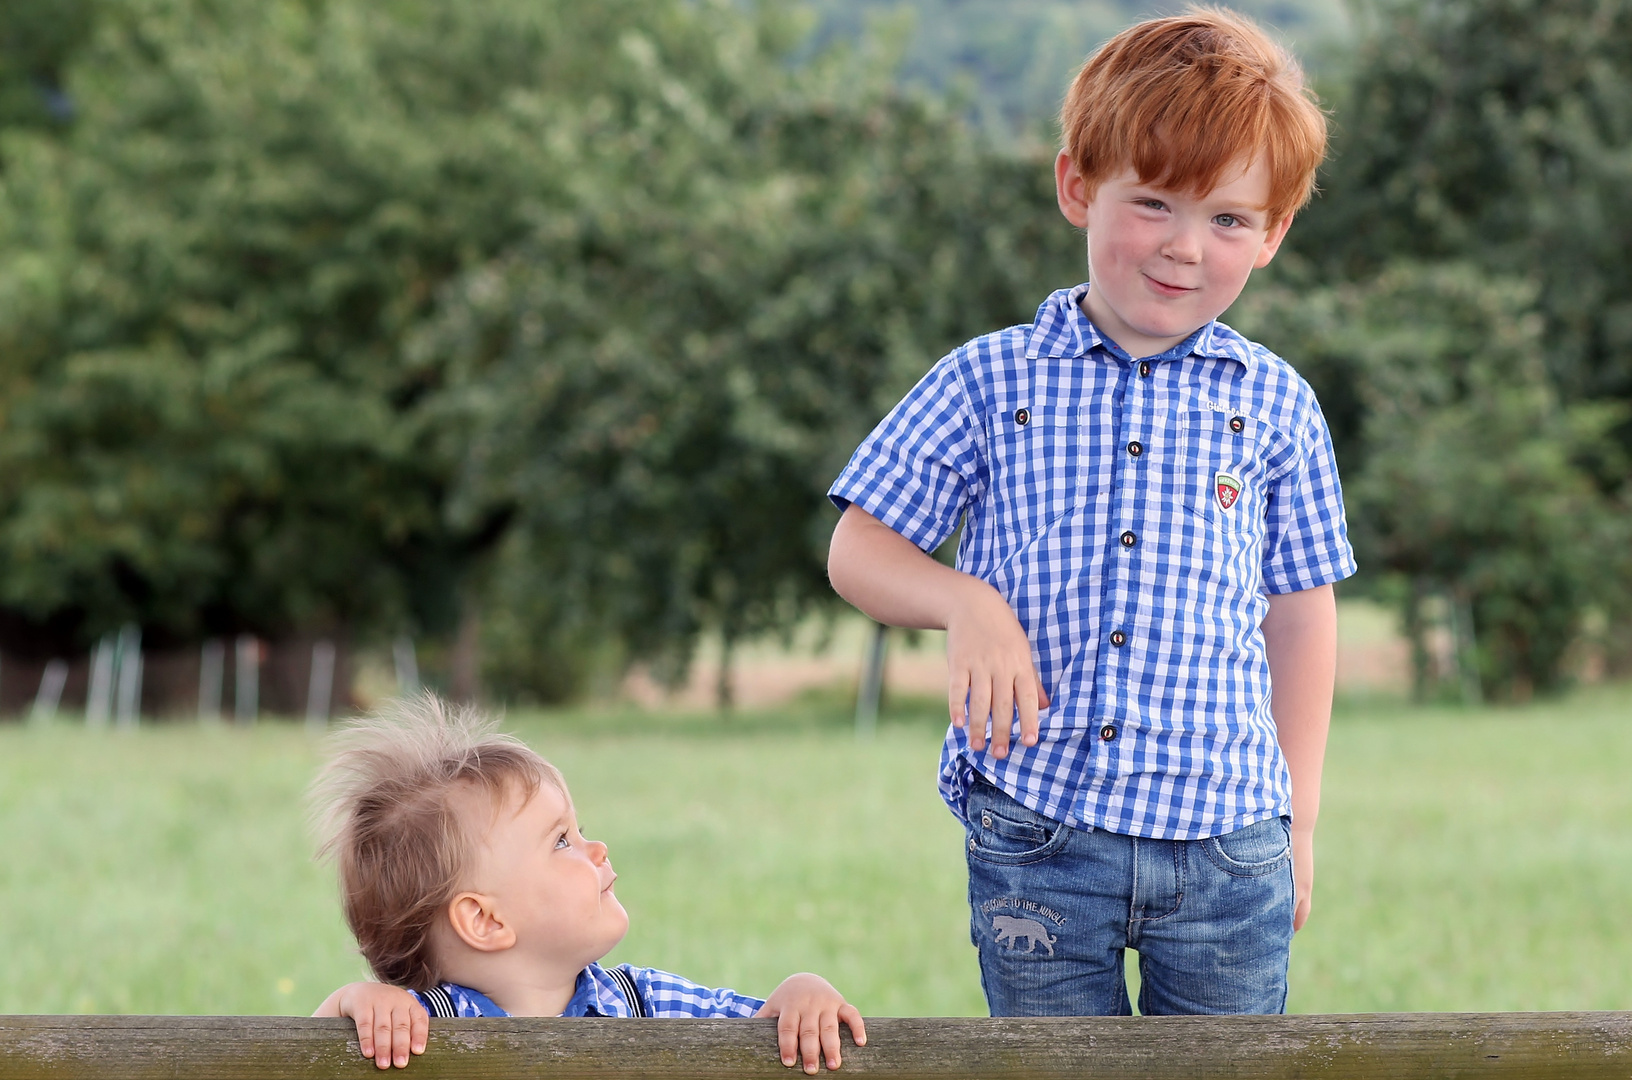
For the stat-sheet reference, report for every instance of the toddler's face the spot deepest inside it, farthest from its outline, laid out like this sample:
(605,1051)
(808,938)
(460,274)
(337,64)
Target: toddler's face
(1164,263)
(552,885)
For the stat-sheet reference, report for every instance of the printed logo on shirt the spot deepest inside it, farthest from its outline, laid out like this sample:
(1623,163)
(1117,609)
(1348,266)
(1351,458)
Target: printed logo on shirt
(1227,489)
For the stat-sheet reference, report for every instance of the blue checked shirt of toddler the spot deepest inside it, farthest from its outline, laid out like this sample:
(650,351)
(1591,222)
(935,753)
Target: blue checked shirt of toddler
(1136,515)
(666,996)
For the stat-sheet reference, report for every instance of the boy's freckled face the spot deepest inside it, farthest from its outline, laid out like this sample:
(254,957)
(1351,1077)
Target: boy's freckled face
(1164,263)
(551,884)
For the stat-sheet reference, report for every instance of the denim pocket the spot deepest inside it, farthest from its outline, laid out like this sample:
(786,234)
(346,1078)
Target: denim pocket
(1003,831)
(1254,851)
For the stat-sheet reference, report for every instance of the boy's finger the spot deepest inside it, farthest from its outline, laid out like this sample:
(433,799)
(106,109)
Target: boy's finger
(810,1044)
(980,707)
(957,698)
(365,1033)
(858,1027)
(421,1030)
(401,1032)
(382,1039)
(1002,718)
(830,1039)
(787,1038)
(1028,717)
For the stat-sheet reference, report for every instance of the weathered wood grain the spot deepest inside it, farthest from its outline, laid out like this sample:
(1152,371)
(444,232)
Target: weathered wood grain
(1350,1047)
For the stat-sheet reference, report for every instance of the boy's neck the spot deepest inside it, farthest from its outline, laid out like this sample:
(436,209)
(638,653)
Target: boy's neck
(519,988)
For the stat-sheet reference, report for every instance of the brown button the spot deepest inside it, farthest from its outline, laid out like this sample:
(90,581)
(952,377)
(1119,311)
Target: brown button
(1144,369)
(1128,539)
(1237,423)
(1118,638)
(1108,732)
(1135,448)
(1022,417)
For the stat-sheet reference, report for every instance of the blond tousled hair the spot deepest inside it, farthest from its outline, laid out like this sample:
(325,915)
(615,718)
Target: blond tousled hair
(387,811)
(1186,99)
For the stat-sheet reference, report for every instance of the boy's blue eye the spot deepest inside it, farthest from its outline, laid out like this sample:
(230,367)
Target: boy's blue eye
(1228,220)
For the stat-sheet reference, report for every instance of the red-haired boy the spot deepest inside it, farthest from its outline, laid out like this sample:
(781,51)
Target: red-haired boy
(1152,524)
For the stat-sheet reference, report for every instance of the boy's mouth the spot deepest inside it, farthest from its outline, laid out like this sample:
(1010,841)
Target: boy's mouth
(1162,288)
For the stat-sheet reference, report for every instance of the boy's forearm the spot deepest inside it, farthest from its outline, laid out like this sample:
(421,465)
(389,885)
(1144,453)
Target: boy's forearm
(890,579)
(1300,635)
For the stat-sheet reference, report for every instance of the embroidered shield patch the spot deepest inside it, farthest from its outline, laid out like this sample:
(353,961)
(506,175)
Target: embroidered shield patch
(1227,489)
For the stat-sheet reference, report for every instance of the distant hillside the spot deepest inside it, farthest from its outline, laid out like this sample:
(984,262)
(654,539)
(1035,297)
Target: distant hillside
(1015,57)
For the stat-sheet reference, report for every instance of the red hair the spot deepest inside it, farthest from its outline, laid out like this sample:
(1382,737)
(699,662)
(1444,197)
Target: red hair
(1189,100)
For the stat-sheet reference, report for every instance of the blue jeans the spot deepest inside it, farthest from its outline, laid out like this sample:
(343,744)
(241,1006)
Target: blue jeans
(1052,908)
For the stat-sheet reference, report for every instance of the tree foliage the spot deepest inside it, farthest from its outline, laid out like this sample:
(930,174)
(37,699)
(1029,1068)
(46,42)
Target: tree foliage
(328,315)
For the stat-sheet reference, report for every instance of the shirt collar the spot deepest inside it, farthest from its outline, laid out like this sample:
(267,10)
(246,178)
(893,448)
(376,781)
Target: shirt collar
(1063,329)
(596,995)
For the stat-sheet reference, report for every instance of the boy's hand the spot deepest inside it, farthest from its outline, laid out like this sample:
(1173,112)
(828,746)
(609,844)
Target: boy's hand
(808,1011)
(989,670)
(390,1023)
(1303,875)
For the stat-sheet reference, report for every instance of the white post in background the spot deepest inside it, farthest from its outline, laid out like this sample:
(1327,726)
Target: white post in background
(99,695)
(52,680)
(129,654)
(320,686)
(246,679)
(872,683)
(212,664)
(402,653)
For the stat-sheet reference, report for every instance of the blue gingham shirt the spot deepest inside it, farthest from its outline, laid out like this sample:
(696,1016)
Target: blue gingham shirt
(1136,515)
(596,994)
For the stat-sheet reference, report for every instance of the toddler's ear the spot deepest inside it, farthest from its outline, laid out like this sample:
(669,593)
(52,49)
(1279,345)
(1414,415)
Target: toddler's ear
(477,922)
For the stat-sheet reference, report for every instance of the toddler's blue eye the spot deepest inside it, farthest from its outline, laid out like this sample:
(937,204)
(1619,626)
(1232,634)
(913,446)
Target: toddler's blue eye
(562,841)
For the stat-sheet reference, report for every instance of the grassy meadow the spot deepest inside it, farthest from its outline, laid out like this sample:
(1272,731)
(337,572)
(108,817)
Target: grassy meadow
(1469,860)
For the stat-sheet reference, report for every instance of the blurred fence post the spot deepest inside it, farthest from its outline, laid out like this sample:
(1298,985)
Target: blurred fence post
(871,691)
(246,679)
(128,662)
(320,684)
(407,664)
(212,663)
(49,696)
(99,694)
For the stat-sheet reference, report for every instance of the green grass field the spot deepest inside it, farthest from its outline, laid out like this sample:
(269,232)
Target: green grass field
(1468,860)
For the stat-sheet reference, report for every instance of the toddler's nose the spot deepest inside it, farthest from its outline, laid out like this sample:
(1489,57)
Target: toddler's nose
(597,851)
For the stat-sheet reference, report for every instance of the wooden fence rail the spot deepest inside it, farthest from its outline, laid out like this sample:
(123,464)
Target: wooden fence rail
(1409,1045)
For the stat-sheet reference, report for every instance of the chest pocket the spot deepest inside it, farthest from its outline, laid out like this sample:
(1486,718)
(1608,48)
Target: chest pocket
(1225,463)
(1035,466)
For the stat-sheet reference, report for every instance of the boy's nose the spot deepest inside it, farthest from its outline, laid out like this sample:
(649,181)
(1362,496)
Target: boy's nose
(1183,245)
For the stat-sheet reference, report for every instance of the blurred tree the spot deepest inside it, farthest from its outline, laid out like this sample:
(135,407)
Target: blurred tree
(1468,481)
(37,40)
(327,315)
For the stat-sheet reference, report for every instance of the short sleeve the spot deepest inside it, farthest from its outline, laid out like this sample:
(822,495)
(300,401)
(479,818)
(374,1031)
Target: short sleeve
(669,996)
(1307,541)
(922,464)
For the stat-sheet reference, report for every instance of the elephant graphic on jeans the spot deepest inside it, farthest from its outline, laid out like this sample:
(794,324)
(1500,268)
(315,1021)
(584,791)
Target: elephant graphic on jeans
(1009,929)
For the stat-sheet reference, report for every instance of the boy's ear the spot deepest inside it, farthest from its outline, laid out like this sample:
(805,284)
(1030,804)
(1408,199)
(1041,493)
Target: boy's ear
(1071,191)
(479,924)
(1272,242)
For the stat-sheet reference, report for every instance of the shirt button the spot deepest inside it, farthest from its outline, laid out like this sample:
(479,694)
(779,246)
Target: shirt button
(1118,638)
(1129,539)
(1022,417)
(1144,369)
(1237,423)
(1135,449)
(1108,732)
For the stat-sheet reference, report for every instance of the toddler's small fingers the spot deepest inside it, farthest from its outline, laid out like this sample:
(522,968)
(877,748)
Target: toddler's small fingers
(830,1039)
(858,1027)
(787,1038)
(810,1045)
(421,1030)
